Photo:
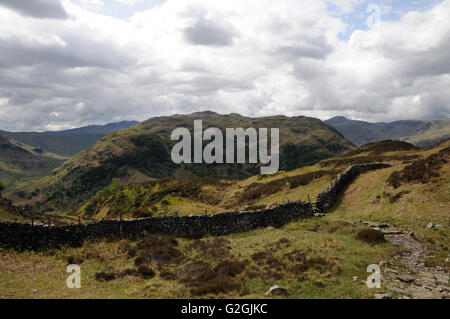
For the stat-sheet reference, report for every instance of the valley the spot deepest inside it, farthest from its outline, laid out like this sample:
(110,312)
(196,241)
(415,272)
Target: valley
(26,157)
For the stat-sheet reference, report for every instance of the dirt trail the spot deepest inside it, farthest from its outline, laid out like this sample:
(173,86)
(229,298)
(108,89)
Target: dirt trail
(412,279)
(411,259)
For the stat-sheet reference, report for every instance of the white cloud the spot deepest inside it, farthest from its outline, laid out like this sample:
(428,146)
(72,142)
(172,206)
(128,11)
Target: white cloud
(254,57)
(130,2)
(94,5)
(345,5)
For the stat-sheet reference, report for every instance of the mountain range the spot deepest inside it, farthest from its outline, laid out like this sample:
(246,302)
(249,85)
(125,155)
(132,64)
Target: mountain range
(60,171)
(425,133)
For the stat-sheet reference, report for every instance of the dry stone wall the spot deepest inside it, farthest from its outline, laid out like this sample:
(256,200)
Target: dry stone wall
(327,198)
(26,236)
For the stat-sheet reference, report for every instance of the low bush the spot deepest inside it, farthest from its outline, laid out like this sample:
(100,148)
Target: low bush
(105,276)
(371,236)
(157,249)
(218,247)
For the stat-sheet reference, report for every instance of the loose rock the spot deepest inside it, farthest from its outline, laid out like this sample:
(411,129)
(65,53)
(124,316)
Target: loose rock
(441,278)
(276,291)
(406,279)
(397,290)
(383,296)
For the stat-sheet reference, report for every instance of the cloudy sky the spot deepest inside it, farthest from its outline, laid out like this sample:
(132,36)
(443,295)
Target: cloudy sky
(69,63)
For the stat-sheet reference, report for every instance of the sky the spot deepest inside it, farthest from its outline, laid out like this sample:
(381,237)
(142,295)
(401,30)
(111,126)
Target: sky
(70,63)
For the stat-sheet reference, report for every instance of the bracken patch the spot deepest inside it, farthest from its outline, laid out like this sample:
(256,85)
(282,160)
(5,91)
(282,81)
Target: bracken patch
(420,171)
(159,250)
(213,248)
(202,279)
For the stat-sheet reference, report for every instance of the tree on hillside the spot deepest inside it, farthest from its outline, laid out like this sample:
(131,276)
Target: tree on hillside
(2,187)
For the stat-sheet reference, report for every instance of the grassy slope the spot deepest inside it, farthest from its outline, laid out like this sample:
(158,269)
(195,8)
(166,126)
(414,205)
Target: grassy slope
(23,272)
(5,215)
(256,191)
(332,237)
(213,196)
(21,164)
(440,130)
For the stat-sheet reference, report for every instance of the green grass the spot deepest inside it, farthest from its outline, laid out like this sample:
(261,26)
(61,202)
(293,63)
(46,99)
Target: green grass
(45,271)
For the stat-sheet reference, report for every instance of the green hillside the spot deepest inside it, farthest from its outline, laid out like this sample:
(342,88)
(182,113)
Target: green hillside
(20,163)
(198,195)
(142,154)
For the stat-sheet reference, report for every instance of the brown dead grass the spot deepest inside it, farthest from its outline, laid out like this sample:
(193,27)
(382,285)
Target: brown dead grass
(202,279)
(367,160)
(256,191)
(212,248)
(420,171)
(383,147)
(159,250)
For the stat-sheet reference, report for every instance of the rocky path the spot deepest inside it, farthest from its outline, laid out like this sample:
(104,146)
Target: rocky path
(412,279)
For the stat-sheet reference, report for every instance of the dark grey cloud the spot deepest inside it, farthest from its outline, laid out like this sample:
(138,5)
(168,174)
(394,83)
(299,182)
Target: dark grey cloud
(65,51)
(40,9)
(209,32)
(207,84)
(315,48)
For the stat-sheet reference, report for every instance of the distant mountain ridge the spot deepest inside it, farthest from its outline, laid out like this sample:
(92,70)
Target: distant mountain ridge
(142,153)
(426,133)
(97,129)
(68,143)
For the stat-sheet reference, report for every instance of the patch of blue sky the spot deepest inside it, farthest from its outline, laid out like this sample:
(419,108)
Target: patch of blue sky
(118,9)
(391,10)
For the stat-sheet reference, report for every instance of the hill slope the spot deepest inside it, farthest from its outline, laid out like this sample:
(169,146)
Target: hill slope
(19,162)
(142,153)
(197,195)
(421,133)
(319,257)
(68,143)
